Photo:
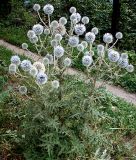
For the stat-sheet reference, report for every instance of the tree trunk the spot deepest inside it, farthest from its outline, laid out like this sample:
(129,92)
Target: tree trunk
(115,16)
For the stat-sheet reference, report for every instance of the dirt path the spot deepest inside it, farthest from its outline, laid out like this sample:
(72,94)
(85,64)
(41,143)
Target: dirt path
(117,91)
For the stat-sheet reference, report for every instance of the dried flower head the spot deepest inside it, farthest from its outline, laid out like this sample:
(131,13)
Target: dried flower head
(54,43)
(63,21)
(108,38)
(119,35)
(39,66)
(30,34)
(23,90)
(46,31)
(67,62)
(60,29)
(36,7)
(72,10)
(58,37)
(45,61)
(50,57)
(12,68)
(54,24)
(95,30)
(100,48)
(85,20)
(24,45)
(55,84)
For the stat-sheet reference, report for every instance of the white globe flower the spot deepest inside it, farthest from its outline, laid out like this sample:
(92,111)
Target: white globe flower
(130,68)
(12,68)
(72,10)
(38,29)
(80,29)
(45,61)
(54,43)
(85,44)
(58,37)
(76,16)
(23,90)
(54,24)
(48,9)
(34,39)
(55,84)
(41,78)
(39,66)
(50,57)
(123,63)
(95,30)
(24,45)
(108,38)
(46,31)
(33,71)
(73,41)
(87,60)
(85,20)
(119,35)
(124,56)
(58,51)
(67,62)
(63,21)
(80,47)
(15,60)
(113,56)
(36,7)
(100,48)
(30,34)
(26,65)
(90,37)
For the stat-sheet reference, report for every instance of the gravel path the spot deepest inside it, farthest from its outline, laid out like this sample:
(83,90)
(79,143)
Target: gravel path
(117,91)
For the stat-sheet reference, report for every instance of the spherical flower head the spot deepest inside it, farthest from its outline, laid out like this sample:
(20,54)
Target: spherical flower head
(119,35)
(34,39)
(85,20)
(54,43)
(54,24)
(124,56)
(26,65)
(58,51)
(50,57)
(24,45)
(58,37)
(72,10)
(80,29)
(90,37)
(76,16)
(12,68)
(36,7)
(100,48)
(73,41)
(46,61)
(80,47)
(23,90)
(63,21)
(92,53)
(87,60)
(48,9)
(113,56)
(95,30)
(123,63)
(39,66)
(46,31)
(55,84)
(33,71)
(130,68)
(41,78)
(60,29)
(38,29)
(67,62)
(85,44)
(108,38)
(30,34)
(15,60)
